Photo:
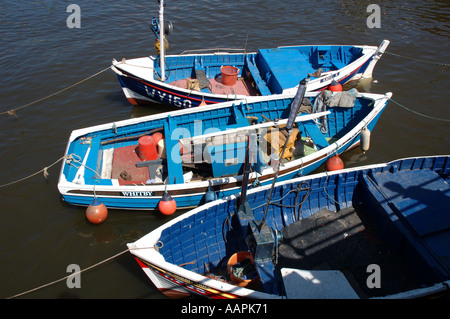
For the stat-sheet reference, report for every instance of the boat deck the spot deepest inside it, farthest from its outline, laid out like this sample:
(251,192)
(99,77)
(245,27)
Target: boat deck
(242,86)
(345,241)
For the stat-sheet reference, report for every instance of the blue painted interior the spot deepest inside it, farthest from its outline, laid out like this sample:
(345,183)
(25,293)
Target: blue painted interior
(340,121)
(273,70)
(206,240)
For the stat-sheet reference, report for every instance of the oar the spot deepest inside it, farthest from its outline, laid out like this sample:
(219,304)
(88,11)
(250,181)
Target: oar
(250,152)
(290,123)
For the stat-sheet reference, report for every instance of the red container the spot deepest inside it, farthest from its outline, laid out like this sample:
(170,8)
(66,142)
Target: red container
(147,150)
(240,282)
(229,75)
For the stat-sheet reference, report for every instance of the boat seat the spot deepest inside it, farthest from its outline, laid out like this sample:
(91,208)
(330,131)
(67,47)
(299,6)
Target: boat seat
(152,166)
(262,87)
(92,160)
(174,167)
(338,64)
(314,132)
(285,68)
(316,284)
(412,207)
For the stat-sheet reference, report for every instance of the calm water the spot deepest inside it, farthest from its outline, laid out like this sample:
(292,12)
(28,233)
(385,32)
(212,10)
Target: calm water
(39,55)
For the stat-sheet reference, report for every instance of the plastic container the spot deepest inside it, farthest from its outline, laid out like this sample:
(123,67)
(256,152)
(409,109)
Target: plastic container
(234,260)
(147,150)
(229,75)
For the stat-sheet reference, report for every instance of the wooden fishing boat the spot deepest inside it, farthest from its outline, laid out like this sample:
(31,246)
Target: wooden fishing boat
(127,165)
(372,231)
(218,75)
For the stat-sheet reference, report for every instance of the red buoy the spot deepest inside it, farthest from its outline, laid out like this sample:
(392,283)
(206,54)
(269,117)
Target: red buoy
(147,148)
(334,163)
(335,86)
(96,212)
(167,205)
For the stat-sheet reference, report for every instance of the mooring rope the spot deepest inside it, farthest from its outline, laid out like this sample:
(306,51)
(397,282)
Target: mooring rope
(44,170)
(71,275)
(71,159)
(12,112)
(416,59)
(420,114)
(156,247)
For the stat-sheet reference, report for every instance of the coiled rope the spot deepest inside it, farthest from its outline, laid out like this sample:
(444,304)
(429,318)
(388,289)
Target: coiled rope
(12,112)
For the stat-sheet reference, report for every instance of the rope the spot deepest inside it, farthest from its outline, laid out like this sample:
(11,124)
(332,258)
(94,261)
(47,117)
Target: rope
(79,272)
(44,170)
(71,275)
(420,114)
(71,160)
(12,112)
(415,59)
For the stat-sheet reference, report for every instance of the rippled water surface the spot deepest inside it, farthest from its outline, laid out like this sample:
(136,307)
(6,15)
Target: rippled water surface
(40,55)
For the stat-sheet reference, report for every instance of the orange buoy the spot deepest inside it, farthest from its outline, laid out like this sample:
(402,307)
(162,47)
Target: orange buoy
(335,86)
(96,212)
(334,163)
(147,148)
(167,205)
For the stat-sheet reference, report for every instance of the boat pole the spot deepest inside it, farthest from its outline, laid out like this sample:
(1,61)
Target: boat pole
(161,40)
(296,102)
(249,158)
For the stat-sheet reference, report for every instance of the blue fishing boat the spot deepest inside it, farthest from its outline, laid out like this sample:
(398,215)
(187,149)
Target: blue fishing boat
(203,77)
(196,155)
(376,231)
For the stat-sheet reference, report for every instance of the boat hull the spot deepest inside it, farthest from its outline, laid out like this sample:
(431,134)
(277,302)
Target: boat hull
(79,186)
(334,191)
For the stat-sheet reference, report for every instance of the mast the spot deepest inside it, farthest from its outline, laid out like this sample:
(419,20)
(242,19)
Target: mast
(161,39)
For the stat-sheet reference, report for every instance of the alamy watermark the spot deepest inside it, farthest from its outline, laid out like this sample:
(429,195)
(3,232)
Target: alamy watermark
(373,280)
(74,280)
(374,19)
(74,19)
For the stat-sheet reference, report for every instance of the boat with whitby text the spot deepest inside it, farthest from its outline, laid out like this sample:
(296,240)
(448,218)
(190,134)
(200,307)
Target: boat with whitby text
(196,155)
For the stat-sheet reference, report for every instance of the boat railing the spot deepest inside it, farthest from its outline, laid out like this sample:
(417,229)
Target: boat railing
(217,50)
(251,128)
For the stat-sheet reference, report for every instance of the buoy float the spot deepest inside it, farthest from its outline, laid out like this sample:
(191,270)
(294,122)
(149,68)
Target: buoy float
(334,163)
(167,205)
(335,86)
(365,139)
(96,212)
